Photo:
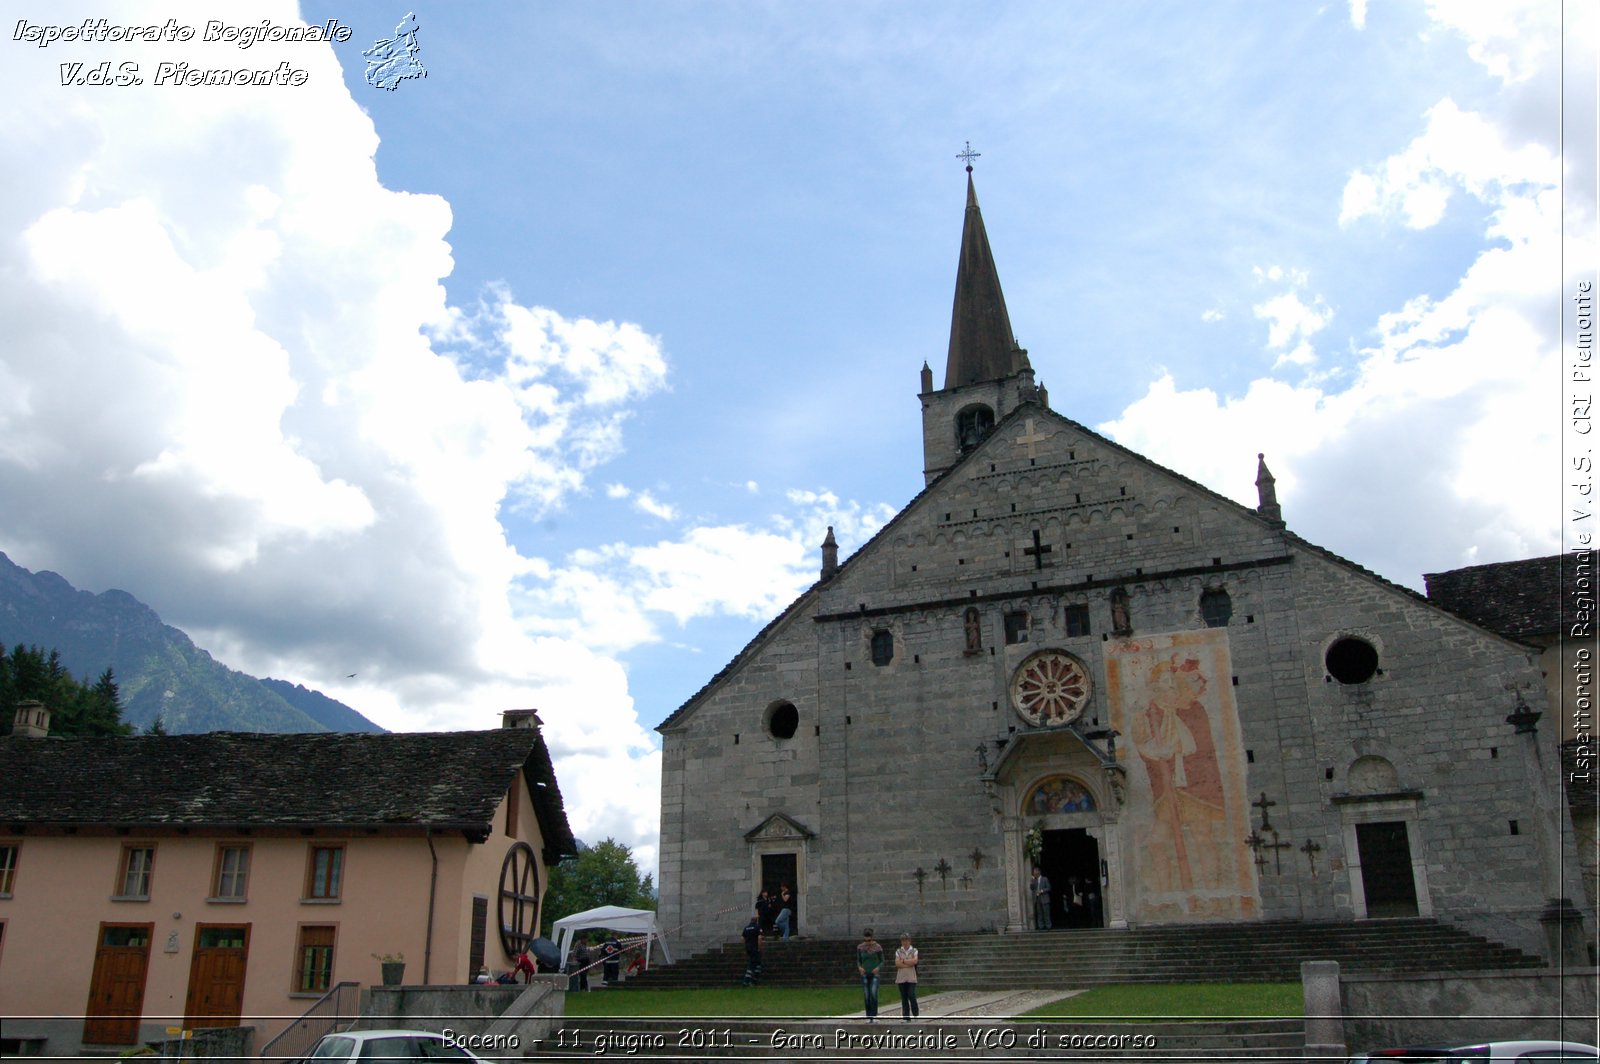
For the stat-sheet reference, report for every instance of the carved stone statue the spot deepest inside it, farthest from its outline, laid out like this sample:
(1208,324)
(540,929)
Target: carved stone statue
(1121,623)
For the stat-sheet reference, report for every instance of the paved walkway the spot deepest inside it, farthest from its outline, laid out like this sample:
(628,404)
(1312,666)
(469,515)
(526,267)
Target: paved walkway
(965,1004)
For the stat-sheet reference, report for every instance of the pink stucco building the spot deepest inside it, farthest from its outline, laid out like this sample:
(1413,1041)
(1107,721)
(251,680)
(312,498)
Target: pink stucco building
(228,878)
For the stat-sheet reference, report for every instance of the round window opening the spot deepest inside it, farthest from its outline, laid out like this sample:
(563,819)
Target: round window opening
(1050,688)
(1351,660)
(782,720)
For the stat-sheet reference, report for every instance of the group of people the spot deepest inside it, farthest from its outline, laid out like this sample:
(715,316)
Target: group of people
(771,914)
(869,961)
(776,913)
(583,959)
(524,966)
(1081,898)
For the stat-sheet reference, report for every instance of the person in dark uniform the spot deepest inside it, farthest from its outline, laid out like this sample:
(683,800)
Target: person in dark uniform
(611,951)
(752,949)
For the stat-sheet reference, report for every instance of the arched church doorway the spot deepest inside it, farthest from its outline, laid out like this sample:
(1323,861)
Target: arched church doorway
(1070,859)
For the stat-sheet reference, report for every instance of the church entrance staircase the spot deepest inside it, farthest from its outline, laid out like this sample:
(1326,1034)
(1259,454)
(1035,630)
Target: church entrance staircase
(1047,960)
(1208,953)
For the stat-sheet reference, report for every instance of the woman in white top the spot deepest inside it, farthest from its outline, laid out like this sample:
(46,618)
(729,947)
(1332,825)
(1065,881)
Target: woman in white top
(905,976)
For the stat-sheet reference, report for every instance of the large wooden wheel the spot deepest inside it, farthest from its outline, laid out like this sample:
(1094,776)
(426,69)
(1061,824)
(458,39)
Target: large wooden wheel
(519,899)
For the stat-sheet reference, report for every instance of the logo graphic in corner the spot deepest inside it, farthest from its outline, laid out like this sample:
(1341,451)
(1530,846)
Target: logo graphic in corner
(395,60)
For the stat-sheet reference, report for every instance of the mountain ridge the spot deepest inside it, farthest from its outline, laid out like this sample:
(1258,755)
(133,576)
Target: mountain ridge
(159,669)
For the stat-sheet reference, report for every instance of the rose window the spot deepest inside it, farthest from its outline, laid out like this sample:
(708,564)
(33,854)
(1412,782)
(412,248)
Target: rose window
(1050,689)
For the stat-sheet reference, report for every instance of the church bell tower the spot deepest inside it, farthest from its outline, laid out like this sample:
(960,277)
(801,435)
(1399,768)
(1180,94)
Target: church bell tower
(986,375)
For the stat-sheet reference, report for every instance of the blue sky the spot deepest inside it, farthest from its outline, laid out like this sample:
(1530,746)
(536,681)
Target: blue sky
(536,381)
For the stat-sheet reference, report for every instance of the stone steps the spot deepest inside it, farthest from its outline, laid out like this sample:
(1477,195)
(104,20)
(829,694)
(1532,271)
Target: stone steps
(1269,952)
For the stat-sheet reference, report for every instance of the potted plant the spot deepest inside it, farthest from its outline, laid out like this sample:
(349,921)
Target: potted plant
(394,967)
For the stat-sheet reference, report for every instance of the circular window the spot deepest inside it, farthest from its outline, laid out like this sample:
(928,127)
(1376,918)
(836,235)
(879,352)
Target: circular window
(1050,688)
(1351,660)
(782,720)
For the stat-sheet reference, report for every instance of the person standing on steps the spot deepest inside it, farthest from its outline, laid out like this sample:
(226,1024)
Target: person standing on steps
(752,949)
(869,958)
(1039,887)
(785,906)
(905,977)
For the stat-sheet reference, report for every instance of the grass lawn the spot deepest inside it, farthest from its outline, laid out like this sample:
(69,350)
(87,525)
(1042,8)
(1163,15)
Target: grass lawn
(735,1001)
(1179,1001)
(1142,1001)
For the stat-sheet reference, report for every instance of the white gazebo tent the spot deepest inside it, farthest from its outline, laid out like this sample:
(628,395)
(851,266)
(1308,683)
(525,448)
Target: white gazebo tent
(632,922)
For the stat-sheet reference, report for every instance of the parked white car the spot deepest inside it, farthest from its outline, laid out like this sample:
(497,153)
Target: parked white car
(1484,1051)
(1531,1050)
(353,1046)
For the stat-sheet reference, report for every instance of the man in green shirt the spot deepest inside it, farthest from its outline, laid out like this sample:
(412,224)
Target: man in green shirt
(869,958)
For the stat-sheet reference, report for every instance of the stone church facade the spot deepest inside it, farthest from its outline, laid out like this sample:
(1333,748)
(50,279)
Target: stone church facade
(1061,653)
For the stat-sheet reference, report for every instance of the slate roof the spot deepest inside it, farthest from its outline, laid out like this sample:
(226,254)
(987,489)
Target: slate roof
(1519,599)
(447,781)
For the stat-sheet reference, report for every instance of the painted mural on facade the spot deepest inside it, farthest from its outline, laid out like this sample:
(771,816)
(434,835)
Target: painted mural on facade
(1058,794)
(1172,701)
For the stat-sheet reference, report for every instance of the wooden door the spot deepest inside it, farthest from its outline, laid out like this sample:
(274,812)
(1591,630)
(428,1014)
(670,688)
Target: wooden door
(216,975)
(116,989)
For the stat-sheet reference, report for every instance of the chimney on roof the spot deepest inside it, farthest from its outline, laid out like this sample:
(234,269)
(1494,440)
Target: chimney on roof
(520,718)
(32,720)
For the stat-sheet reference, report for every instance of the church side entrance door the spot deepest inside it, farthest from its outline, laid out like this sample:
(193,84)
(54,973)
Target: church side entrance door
(1386,877)
(1071,861)
(779,870)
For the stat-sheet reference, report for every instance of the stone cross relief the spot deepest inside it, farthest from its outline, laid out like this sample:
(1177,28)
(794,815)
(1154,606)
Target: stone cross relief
(1030,437)
(1037,551)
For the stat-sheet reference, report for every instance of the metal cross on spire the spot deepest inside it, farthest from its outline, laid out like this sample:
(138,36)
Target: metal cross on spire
(968,156)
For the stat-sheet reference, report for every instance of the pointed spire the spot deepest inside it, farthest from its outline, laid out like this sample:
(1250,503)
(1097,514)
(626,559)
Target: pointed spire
(982,346)
(1267,492)
(830,555)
